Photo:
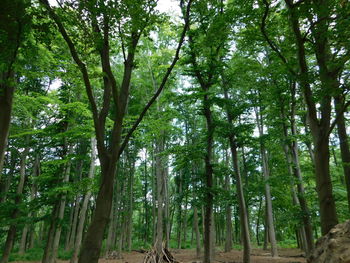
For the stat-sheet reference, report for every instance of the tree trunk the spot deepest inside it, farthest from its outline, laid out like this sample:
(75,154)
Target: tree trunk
(131,202)
(258,223)
(266,173)
(70,225)
(239,188)
(196,227)
(6,98)
(23,242)
(160,193)
(241,202)
(228,237)
(50,234)
(62,206)
(209,197)
(11,234)
(292,156)
(82,214)
(166,214)
(6,182)
(324,185)
(344,144)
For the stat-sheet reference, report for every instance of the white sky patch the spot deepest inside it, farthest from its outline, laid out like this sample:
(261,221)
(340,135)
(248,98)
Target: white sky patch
(55,84)
(170,7)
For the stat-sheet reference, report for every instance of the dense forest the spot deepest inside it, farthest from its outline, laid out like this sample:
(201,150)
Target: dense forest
(151,125)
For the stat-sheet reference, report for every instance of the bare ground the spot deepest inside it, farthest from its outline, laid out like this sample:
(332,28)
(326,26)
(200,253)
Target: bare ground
(189,256)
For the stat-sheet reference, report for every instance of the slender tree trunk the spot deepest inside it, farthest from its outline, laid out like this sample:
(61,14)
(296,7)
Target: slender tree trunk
(179,210)
(11,234)
(111,228)
(82,214)
(239,188)
(184,223)
(292,156)
(268,200)
(166,214)
(6,181)
(50,234)
(241,202)
(23,242)
(228,237)
(27,228)
(62,206)
(73,228)
(70,225)
(196,227)
(258,223)
(209,197)
(130,207)
(344,144)
(160,194)
(154,194)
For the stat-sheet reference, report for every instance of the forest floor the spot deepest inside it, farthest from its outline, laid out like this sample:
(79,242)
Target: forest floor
(286,255)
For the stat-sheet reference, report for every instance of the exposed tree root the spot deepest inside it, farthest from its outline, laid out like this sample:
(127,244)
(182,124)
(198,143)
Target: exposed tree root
(164,257)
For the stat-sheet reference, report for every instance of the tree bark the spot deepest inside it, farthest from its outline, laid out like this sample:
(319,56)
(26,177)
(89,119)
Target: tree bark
(82,214)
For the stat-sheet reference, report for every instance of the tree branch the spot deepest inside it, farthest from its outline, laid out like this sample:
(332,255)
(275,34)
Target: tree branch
(83,70)
(342,110)
(164,80)
(273,46)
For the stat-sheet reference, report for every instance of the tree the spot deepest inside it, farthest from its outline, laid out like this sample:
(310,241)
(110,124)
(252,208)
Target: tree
(13,28)
(100,22)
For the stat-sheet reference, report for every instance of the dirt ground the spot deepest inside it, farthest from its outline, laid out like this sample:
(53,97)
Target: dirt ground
(189,256)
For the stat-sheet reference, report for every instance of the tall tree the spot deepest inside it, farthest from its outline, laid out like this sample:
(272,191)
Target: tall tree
(135,20)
